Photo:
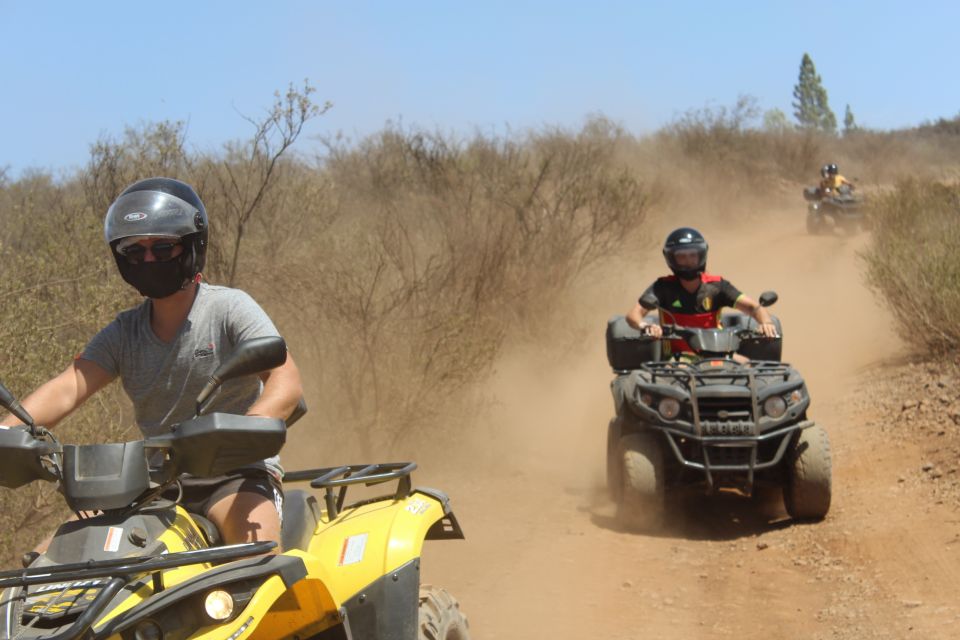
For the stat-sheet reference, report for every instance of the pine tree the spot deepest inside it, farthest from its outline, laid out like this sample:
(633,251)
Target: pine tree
(849,124)
(811,108)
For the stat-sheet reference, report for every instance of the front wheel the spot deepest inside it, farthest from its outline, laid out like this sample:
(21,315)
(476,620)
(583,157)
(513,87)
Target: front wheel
(440,617)
(814,223)
(614,463)
(642,505)
(808,490)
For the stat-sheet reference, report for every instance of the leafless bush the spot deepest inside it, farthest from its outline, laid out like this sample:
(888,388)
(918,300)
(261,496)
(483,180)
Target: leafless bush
(443,247)
(153,149)
(242,180)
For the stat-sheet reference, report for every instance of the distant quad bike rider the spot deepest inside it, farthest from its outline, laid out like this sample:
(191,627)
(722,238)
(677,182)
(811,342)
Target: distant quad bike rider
(691,297)
(831,180)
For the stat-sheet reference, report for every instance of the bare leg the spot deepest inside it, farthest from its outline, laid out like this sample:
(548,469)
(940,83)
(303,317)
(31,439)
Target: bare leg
(246,517)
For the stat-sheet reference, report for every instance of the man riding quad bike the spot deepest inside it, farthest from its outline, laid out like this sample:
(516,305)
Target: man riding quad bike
(703,400)
(834,204)
(136,565)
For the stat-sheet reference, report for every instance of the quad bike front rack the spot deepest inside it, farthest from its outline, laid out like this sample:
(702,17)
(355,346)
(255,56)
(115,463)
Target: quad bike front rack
(118,572)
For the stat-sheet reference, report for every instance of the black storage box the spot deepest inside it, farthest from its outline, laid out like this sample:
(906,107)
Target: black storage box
(755,349)
(628,348)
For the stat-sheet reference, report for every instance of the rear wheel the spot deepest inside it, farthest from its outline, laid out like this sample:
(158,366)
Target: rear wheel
(440,617)
(641,506)
(808,490)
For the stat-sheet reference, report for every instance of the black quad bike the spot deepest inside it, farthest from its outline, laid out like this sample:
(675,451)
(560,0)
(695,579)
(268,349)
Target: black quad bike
(730,416)
(829,211)
(135,565)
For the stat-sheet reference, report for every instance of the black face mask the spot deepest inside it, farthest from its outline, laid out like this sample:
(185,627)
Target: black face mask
(687,274)
(154,279)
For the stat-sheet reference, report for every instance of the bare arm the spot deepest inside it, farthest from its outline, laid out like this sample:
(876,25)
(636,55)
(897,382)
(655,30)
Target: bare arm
(635,319)
(282,391)
(750,306)
(55,399)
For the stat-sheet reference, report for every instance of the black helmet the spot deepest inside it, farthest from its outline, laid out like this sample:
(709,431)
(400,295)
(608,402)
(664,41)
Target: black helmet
(685,238)
(829,170)
(159,207)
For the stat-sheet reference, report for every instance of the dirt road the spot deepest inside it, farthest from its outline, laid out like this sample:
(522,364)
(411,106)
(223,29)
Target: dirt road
(543,556)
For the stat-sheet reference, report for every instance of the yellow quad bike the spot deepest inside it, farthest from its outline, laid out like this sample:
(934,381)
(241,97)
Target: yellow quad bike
(135,565)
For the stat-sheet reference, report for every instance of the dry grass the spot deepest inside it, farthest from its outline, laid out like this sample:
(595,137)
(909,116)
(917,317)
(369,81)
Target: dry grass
(914,264)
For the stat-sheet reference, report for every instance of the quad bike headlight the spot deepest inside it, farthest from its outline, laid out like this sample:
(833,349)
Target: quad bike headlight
(219,605)
(775,406)
(669,408)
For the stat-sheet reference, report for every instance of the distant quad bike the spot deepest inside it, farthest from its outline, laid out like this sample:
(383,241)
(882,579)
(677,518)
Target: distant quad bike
(135,565)
(709,421)
(830,211)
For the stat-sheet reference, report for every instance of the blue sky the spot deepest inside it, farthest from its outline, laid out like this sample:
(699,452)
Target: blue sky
(75,71)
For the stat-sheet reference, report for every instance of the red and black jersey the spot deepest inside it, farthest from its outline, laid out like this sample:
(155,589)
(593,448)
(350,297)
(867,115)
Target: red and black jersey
(699,309)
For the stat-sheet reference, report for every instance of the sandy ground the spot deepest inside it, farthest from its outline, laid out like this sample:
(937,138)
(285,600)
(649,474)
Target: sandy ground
(544,558)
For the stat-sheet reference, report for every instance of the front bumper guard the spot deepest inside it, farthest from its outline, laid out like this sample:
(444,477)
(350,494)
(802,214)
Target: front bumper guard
(749,441)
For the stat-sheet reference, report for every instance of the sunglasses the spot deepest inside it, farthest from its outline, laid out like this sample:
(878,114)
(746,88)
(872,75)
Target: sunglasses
(162,251)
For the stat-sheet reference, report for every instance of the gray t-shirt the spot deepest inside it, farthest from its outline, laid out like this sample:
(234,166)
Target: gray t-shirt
(164,379)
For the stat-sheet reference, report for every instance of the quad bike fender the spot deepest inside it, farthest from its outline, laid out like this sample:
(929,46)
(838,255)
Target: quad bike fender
(370,541)
(304,609)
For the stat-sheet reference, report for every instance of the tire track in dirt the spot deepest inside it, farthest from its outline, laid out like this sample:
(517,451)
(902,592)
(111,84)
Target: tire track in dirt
(544,559)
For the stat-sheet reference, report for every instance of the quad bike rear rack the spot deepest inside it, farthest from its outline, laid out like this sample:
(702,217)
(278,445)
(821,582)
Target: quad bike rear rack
(339,478)
(335,481)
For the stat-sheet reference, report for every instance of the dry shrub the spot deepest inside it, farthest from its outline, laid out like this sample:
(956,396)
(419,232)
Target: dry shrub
(441,249)
(914,264)
(57,288)
(717,159)
(720,160)
(399,265)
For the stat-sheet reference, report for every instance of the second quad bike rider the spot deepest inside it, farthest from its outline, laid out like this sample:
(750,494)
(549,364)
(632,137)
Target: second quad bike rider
(691,297)
(831,180)
(165,350)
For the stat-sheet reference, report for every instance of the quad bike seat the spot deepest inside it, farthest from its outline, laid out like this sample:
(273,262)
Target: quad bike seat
(210,531)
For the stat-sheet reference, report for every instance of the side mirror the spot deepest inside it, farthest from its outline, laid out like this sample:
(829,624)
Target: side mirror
(649,301)
(251,356)
(767,298)
(10,403)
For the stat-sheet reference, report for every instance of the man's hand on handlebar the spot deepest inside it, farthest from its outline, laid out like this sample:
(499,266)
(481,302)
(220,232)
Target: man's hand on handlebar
(768,330)
(652,330)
